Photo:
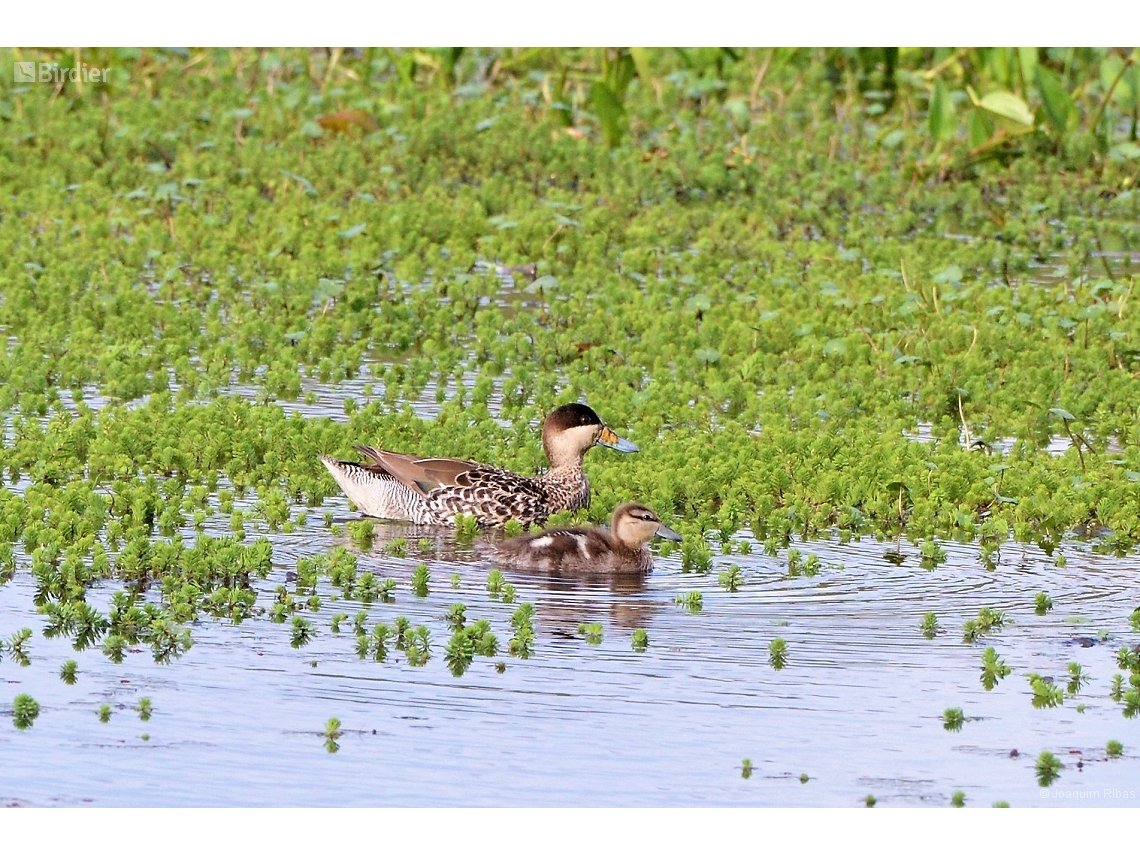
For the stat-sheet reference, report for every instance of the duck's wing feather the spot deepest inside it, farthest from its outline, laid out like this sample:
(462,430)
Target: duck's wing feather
(425,474)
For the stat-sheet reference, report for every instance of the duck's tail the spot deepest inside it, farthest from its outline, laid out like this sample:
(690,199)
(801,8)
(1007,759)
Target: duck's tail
(374,492)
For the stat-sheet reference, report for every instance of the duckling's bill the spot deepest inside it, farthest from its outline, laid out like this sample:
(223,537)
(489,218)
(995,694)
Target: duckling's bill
(611,440)
(668,533)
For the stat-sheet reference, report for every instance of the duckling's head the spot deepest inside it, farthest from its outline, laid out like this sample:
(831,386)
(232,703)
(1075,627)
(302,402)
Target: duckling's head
(572,429)
(635,525)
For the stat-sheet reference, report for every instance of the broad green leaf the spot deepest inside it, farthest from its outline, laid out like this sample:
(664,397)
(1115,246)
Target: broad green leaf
(1124,151)
(835,347)
(1126,93)
(611,112)
(1008,106)
(946,275)
(1057,102)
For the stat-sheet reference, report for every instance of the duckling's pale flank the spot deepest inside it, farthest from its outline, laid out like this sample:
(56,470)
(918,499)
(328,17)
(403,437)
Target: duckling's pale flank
(433,490)
(622,549)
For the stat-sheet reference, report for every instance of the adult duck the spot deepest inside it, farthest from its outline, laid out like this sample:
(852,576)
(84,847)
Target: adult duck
(433,490)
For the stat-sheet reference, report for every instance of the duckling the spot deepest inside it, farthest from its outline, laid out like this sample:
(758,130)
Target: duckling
(622,549)
(433,490)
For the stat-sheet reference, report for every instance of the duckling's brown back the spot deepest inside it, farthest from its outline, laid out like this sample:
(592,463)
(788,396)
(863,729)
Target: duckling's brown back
(575,550)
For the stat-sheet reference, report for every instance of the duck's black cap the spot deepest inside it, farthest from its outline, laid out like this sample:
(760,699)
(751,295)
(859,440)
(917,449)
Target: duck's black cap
(571,416)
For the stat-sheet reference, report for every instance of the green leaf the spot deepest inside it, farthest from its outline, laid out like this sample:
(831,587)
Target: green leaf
(893,139)
(941,116)
(1057,102)
(948,275)
(1008,106)
(1028,58)
(981,128)
(835,347)
(641,61)
(610,110)
(312,129)
(1124,151)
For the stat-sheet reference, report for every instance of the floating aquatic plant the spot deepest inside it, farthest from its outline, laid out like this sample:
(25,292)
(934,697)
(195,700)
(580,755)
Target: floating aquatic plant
(331,734)
(144,708)
(523,640)
(953,719)
(929,625)
(68,672)
(778,653)
(417,646)
(994,669)
(1077,679)
(1114,748)
(104,713)
(466,527)
(302,632)
(693,601)
(456,615)
(958,799)
(696,556)
(25,710)
(18,646)
(639,640)
(988,621)
(1048,768)
(731,579)
(363,532)
(800,566)
(1043,604)
(746,769)
(421,576)
(1116,691)
(1045,693)
(592,632)
(932,555)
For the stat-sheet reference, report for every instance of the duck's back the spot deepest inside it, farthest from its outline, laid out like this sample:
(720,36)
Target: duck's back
(493,496)
(573,549)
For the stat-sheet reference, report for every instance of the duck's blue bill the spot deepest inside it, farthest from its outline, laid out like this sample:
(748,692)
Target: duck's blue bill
(611,440)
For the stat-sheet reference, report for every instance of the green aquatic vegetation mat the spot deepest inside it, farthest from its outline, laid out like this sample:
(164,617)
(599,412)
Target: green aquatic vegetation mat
(842,334)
